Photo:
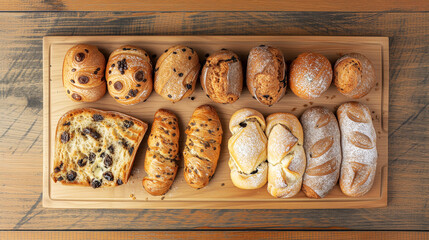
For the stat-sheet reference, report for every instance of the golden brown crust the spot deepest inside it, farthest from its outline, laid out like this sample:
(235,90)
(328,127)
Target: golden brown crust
(83,73)
(201,153)
(162,155)
(176,73)
(129,75)
(310,75)
(354,75)
(266,78)
(323,149)
(222,76)
(86,137)
(286,156)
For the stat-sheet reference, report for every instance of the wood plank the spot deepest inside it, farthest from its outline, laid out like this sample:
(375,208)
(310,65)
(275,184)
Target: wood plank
(292,235)
(21,125)
(220,5)
(220,193)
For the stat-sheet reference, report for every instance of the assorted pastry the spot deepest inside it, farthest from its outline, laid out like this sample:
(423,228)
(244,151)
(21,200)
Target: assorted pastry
(97,148)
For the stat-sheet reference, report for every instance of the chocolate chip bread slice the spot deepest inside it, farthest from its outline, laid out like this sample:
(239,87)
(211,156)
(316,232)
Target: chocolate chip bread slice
(94,147)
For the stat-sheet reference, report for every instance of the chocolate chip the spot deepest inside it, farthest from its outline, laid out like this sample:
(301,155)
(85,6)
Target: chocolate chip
(98,69)
(188,86)
(214,148)
(72,81)
(65,137)
(95,72)
(174,134)
(108,176)
(189,57)
(82,162)
(79,57)
(118,86)
(192,123)
(66,124)
(119,182)
(128,123)
(174,52)
(91,157)
(110,82)
(256,171)
(99,150)
(103,154)
(83,79)
(166,50)
(243,124)
(138,85)
(210,131)
(126,49)
(126,97)
(97,117)
(169,95)
(131,150)
(261,45)
(68,91)
(108,161)
(192,98)
(180,74)
(113,65)
(57,169)
(71,176)
(116,97)
(86,50)
(73,70)
(133,93)
(60,178)
(183,49)
(201,150)
(174,70)
(157,176)
(266,96)
(95,183)
(111,149)
(157,144)
(139,76)
(110,71)
(76,97)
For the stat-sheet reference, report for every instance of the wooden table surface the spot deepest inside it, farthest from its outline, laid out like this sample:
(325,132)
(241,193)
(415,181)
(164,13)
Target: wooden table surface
(22,28)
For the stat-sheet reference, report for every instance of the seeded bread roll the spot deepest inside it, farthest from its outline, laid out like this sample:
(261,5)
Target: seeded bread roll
(248,149)
(222,76)
(266,78)
(162,155)
(176,73)
(354,75)
(359,148)
(129,75)
(286,156)
(310,75)
(97,148)
(201,153)
(323,148)
(83,73)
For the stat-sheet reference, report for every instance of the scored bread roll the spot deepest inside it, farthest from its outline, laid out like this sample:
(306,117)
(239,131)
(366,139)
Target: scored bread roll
(266,74)
(83,73)
(323,149)
(162,155)
(129,75)
(358,142)
(286,156)
(354,75)
(248,149)
(201,153)
(176,73)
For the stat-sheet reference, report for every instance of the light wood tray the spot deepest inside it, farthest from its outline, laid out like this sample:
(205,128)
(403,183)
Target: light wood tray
(220,193)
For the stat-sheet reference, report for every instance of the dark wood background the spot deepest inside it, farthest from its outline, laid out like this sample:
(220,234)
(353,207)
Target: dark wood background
(21,121)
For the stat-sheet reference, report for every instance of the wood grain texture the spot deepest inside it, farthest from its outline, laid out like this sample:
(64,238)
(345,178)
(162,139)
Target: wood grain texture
(220,193)
(207,5)
(194,235)
(21,126)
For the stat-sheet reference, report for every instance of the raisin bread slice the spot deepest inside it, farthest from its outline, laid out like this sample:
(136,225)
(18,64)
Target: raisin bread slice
(94,147)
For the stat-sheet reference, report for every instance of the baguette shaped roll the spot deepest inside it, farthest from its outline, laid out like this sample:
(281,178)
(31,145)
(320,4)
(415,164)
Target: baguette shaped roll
(176,73)
(266,74)
(201,153)
(129,75)
(323,149)
(248,149)
(286,156)
(162,155)
(354,75)
(358,142)
(83,73)
(222,76)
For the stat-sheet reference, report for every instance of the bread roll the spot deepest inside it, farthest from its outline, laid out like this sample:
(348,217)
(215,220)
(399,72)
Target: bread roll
(359,148)
(201,153)
(129,75)
(222,77)
(323,149)
(162,155)
(354,75)
(248,149)
(83,73)
(310,75)
(176,73)
(286,157)
(266,78)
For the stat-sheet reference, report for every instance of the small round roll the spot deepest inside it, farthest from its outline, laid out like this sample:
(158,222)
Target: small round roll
(176,73)
(129,75)
(222,76)
(310,75)
(354,75)
(83,73)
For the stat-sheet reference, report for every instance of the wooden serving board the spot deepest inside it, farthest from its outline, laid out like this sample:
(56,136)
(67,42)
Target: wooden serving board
(220,193)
